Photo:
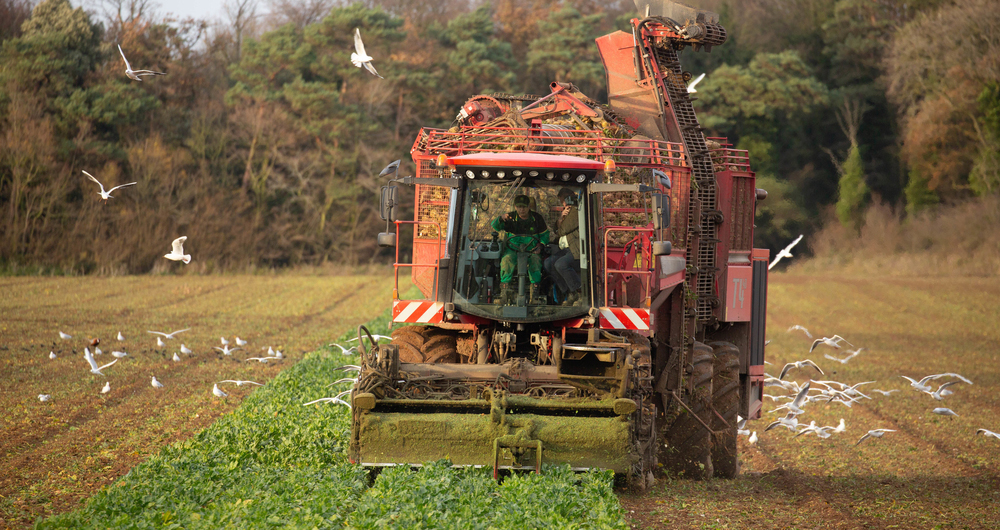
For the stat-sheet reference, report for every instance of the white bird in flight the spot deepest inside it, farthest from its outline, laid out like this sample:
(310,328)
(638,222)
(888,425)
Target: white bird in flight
(120,336)
(226,350)
(785,252)
(799,364)
(692,84)
(940,392)
(833,342)
(107,194)
(94,369)
(795,407)
(923,386)
(44,397)
(155,383)
(240,342)
(375,336)
(107,387)
(259,359)
(851,355)
(345,351)
(169,335)
(135,74)
(885,392)
(360,57)
(876,433)
(241,383)
(988,433)
(800,328)
(185,350)
(944,411)
(65,336)
(177,251)
(218,392)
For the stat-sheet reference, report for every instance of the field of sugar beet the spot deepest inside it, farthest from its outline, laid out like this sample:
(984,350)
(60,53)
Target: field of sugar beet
(180,457)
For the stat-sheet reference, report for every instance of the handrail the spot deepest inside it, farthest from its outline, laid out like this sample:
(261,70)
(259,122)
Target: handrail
(396,264)
(608,271)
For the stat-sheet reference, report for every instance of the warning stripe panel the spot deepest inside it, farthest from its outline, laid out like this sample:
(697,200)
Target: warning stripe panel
(624,318)
(419,311)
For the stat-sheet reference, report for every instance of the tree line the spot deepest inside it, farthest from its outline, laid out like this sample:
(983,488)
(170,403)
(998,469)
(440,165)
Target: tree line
(263,142)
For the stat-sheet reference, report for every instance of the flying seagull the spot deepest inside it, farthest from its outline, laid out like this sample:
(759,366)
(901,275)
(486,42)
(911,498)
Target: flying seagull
(785,252)
(259,359)
(923,386)
(135,74)
(177,251)
(799,364)
(169,335)
(218,392)
(692,84)
(988,433)
(107,194)
(833,342)
(226,350)
(851,355)
(940,392)
(374,336)
(944,411)
(795,407)
(877,433)
(241,383)
(800,328)
(345,351)
(94,369)
(360,57)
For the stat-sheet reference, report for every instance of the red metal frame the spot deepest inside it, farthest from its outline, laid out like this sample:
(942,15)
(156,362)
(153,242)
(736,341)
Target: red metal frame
(396,265)
(643,243)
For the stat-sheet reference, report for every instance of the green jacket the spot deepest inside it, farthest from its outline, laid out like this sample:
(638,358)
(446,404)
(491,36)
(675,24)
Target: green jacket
(521,230)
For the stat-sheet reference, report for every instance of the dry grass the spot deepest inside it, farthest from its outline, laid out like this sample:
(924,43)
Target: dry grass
(958,240)
(934,472)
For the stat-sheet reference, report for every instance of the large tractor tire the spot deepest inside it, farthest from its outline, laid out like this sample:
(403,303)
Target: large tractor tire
(687,447)
(425,344)
(725,401)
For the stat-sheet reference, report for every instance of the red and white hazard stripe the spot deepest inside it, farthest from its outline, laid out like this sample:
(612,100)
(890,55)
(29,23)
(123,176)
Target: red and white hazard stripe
(624,318)
(421,311)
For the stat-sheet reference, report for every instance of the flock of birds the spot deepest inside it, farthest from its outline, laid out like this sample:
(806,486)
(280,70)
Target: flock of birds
(359,58)
(353,350)
(98,369)
(800,395)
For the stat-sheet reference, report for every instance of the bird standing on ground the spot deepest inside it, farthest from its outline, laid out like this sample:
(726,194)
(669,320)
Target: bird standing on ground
(785,252)
(107,194)
(176,358)
(218,392)
(360,57)
(119,354)
(177,251)
(135,74)
(65,336)
(107,387)
(44,397)
(240,342)
(52,355)
(160,343)
(120,336)
(155,383)
(225,341)
(753,438)
(185,350)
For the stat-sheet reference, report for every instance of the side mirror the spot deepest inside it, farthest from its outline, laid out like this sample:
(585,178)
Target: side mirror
(387,204)
(661,211)
(387,239)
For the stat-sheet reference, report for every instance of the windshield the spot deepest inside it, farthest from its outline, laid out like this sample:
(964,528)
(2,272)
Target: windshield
(522,252)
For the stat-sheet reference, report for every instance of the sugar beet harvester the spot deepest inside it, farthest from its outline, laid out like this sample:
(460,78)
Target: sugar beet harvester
(647,365)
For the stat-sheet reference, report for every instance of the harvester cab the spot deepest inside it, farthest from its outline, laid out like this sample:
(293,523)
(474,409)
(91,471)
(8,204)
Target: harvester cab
(589,292)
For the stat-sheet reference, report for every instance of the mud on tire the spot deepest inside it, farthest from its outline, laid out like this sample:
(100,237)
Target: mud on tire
(726,401)
(425,344)
(687,450)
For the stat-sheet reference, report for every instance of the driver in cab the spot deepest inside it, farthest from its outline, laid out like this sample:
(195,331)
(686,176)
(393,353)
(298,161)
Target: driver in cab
(527,232)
